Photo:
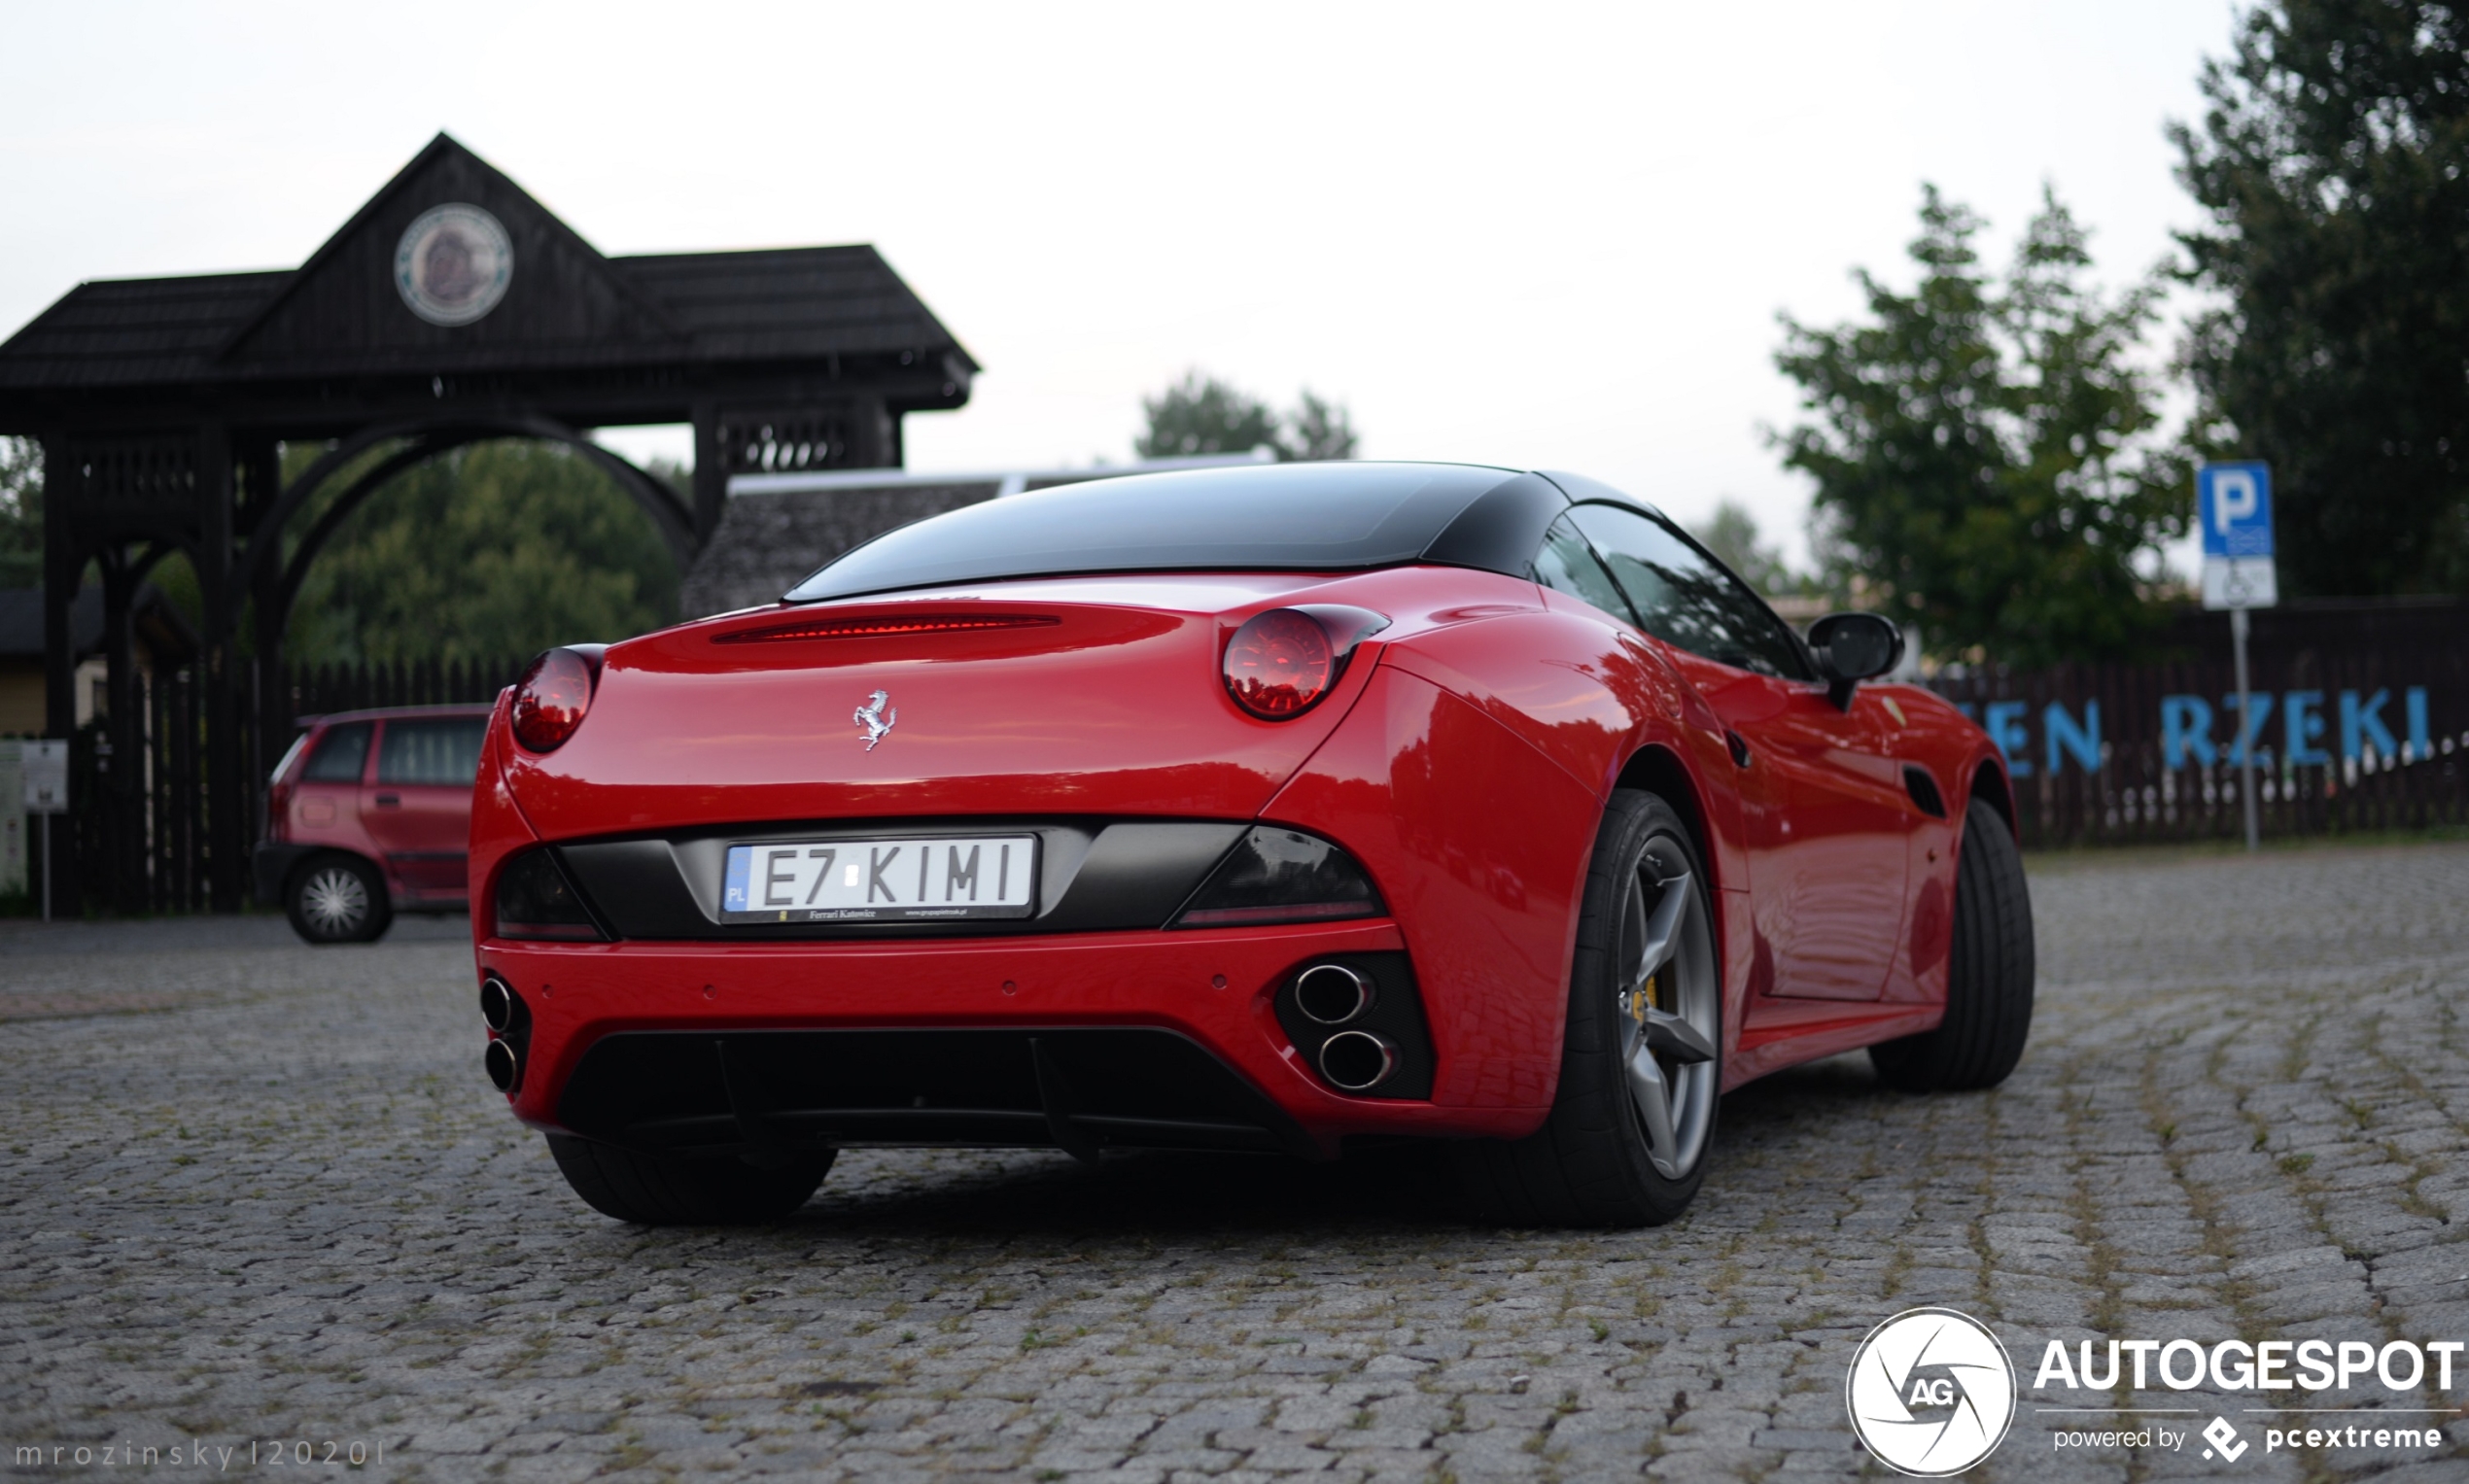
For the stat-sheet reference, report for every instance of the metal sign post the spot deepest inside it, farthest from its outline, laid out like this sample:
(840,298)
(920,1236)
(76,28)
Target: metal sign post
(2233,505)
(2246,733)
(47,793)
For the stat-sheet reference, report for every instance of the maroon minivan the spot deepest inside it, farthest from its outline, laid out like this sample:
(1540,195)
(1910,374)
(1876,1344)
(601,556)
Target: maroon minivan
(369,813)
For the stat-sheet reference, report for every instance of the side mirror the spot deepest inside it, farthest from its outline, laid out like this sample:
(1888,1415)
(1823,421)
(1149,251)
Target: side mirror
(1852,647)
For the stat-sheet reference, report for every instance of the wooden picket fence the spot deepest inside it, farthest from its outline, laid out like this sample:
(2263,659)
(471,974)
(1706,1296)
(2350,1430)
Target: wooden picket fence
(2346,740)
(318,690)
(140,825)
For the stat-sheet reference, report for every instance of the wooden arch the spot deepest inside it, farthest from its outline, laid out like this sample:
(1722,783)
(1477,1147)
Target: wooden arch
(160,404)
(265,557)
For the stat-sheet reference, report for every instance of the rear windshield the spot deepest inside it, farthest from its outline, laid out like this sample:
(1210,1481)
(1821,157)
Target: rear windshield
(340,755)
(443,749)
(1291,517)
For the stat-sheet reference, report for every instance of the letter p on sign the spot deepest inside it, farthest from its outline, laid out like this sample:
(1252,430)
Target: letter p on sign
(2234,498)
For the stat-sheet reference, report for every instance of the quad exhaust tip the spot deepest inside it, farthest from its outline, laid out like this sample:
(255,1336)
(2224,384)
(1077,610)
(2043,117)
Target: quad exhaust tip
(497,1003)
(1332,994)
(1357,1060)
(502,1065)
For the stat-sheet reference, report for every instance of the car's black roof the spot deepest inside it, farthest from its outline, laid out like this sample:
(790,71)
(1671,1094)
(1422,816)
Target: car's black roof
(1343,516)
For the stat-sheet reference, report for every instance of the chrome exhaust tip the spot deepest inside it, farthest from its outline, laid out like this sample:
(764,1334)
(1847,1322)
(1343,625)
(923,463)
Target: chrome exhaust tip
(1357,1060)
(1332,994)
(502,1066)
(497,1003)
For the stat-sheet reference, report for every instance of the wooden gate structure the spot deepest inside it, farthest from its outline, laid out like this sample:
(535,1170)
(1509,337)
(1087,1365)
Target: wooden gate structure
(452,308)
(164,808)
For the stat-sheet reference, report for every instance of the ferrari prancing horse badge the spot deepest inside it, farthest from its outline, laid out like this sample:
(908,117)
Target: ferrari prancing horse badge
(875,720)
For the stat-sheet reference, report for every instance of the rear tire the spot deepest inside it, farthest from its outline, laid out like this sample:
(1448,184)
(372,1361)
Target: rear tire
(1645,1024)
(656,1191)
(337,899)
(1989,974)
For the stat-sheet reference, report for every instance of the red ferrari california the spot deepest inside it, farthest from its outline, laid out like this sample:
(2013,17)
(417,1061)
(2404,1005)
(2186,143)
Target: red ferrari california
(1278,809)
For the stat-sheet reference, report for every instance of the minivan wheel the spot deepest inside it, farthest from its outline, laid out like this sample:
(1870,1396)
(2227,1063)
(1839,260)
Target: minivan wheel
(337,899)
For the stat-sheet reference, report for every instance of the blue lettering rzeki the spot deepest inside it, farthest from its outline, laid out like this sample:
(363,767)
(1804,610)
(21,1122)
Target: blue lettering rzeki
(2187,724)
(2314,728)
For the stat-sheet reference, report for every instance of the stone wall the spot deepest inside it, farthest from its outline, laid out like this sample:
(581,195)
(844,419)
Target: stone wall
(768,542)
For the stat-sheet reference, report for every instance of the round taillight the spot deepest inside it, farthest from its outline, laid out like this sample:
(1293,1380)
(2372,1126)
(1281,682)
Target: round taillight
(550,701)
(1278,663)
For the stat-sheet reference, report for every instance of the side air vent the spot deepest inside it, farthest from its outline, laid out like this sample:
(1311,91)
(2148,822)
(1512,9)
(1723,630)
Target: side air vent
(1923,792)
(887,625)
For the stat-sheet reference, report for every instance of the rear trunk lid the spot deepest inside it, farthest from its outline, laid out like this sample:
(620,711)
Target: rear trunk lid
(1072,696)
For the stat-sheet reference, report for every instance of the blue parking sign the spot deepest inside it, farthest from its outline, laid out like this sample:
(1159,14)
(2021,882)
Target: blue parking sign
(2234,502)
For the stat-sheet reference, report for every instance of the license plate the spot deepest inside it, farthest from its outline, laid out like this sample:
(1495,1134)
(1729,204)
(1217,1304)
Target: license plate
(881,880)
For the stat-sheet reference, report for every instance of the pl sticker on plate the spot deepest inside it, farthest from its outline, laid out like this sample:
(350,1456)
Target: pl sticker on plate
(881,880)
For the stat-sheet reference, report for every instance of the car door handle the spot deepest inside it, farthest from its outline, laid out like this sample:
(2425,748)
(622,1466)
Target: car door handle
(1739,746)
(390,801)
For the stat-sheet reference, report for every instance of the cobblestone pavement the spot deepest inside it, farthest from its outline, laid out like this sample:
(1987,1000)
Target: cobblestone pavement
(252,1191)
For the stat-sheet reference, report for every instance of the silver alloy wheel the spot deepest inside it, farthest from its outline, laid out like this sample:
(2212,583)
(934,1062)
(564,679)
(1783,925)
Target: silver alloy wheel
(1671,1010)
(335,901)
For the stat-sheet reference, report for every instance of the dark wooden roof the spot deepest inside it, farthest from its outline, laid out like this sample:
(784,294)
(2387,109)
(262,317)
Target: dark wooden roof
(133,331)
(566,308)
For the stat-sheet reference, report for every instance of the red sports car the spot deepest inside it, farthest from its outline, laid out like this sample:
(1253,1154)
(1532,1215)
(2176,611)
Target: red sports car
(1271,808)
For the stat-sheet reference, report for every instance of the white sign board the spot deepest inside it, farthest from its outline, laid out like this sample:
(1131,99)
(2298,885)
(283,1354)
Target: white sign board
(46,778)
(2233,505)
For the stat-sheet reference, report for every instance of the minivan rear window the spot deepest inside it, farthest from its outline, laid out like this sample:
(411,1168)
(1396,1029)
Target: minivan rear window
(431,750)
(340,754)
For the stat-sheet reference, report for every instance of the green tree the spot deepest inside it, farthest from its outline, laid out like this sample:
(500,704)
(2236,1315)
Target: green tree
(21,512)
(1315,431)
(1203,415)
(1733,534)
(494,550)
(2334,162)
(1987,454)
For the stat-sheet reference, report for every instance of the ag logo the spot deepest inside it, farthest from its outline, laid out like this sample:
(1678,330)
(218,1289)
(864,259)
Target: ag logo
(1932,1392)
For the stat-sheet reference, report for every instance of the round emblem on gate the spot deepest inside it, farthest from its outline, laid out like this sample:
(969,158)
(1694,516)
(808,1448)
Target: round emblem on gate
(453,264)
(1932,1392)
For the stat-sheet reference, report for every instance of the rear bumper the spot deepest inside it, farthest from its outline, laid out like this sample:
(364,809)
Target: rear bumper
(273,862)
(692,1045)
(757,1092)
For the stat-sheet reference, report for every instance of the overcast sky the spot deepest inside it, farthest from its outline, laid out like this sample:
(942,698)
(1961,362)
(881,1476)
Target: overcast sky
(1531,234)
